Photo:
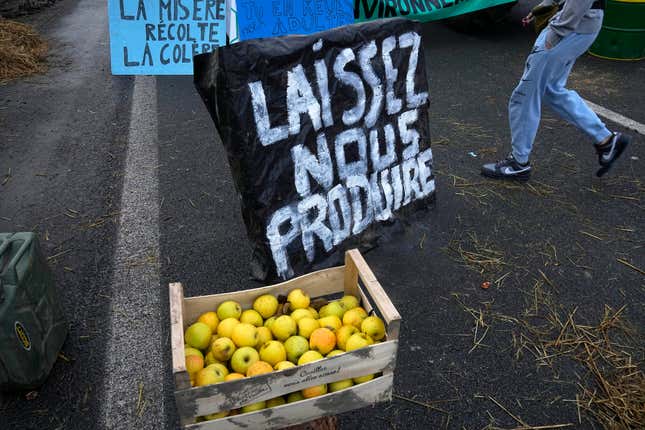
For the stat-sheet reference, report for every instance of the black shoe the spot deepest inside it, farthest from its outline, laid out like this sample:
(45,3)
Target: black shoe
(509,168)
(610,152)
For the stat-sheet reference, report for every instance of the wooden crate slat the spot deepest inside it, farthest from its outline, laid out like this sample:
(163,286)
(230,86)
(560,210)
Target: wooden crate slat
(316,284)
(237,393)
(358,396)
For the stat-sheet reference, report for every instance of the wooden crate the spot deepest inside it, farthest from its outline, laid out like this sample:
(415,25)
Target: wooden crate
(377,358)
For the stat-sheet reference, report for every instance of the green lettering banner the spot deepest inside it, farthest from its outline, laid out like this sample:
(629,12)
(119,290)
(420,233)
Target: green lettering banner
(422,10)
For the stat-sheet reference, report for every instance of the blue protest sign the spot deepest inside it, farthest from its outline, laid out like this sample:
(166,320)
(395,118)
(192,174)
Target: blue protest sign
(263,18)
(161,37)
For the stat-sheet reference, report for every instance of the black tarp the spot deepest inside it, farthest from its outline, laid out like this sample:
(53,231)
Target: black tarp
(327,138)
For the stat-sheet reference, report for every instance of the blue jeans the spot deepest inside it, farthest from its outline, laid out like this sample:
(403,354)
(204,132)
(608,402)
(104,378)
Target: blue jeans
(544,78)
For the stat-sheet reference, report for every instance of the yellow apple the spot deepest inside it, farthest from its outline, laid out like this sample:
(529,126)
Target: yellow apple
(215,416)
(210,319)
(269,321)
(252,317)
(340,385)
(284,365)
(245,334)
(273,352)
(295,397)
(198,335)
(209,359)
(374,327)
(295,347)
(278,401)
(226,326)
(298,299)
(259,368)
(208,375)
(306,326)
(283,327)
(233,376)
(332,308)
(222,368)
(229,309)
(243,358)
(194,363)
(332,322)
(334,353)
(322,340)
(362,379)
(316,391)
(298,314)
(254,407)
(264,335)
(192,351)
(354,317)
(309,356)
(357,341)
(314,313)
(266,305)
(349,302)
(344,333)
(222,349)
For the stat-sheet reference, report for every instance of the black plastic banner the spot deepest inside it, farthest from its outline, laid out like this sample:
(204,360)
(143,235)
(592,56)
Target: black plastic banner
(327,137)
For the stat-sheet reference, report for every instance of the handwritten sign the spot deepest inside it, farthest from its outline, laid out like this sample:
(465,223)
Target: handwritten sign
(161,37)
(327,136)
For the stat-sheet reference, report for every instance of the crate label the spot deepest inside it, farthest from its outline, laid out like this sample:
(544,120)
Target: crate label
(313,375)
(251,392)
(22,335)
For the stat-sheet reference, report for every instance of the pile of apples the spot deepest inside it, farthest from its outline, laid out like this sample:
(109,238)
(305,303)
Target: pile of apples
(232,343)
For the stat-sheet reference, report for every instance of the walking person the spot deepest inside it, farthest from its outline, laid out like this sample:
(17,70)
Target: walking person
(567,36)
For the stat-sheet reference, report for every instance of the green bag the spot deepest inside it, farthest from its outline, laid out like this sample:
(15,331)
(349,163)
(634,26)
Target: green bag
(542,15)
(32,326)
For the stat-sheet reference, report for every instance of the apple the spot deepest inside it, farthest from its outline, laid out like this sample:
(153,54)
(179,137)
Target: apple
(332,322)
(295,397)
(284,365)
(222,349)
(298,299)
(283,327)
(340,385)
(209,375)
(254,407)
(298,314)
(295,347)
(349,302)
(306,326)
(278,401)
(344,333)
(226,326)
(357,341)
(332,308)
(354,317)
(198,335)
(362,379)
(221,367)
(374,327)
(264,335)
(245,334)
(243,358)
(314,313)
(252,317)
(210,319)
(273,352)
(315,391)
(209,359)
(266,305)
(210,417)
(334,353)
(233,376)
(309,356)
(192,351)
(322,340)
(269,322)
(259,368)
(229,309)
(194,363)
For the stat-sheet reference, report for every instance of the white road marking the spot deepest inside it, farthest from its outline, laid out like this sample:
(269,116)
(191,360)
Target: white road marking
(134,369)
(617,118)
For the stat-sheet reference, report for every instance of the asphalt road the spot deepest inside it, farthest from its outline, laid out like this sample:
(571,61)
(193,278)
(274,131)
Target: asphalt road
(69,135)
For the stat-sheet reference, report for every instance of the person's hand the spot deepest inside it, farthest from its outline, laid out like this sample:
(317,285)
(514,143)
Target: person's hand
(528,19)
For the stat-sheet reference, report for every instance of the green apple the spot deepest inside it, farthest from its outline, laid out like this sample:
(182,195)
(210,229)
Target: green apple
(295,347)
(295,397)
(254,407)
(278,401)
(283,327)
(298,299)
(273,352)
(198,335)
(374,327)
(334,353)
(268,322)
(222,349)
(209,375)
(243,358)
(309,356)
(340,385)
(349,302)
(192,351)
(222,368)
(245,334)
(229,309)
(266,305)
(332,308)
(357,341)
(252,317)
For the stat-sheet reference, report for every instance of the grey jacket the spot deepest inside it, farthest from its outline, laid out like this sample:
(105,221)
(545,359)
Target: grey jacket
(575,17)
